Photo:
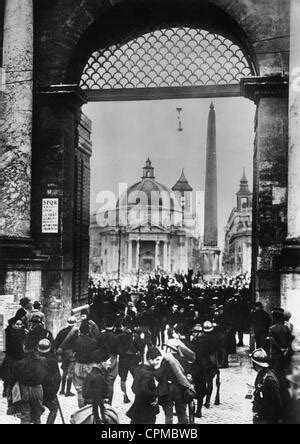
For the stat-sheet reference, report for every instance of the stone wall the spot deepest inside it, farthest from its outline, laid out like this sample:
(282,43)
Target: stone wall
(1,29)
(82,211)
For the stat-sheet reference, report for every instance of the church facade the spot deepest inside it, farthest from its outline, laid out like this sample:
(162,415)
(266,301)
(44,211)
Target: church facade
(237,256)
(151,228)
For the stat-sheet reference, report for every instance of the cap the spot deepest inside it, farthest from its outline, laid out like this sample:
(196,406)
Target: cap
(36,319)
(44,346)
(72,320)
(260,358)
(208,327)
(153,353)
(198,327)
(24,302)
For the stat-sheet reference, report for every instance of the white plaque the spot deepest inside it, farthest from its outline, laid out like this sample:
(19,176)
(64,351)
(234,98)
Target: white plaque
(50,215)
(5,299)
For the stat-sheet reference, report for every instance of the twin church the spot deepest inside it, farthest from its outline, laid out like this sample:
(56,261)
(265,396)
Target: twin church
(153,227)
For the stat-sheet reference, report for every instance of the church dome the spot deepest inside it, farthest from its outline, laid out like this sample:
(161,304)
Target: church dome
(146,192)
(149,203)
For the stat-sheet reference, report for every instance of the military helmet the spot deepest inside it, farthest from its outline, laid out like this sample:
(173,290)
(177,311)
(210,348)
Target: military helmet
(208,327)
(44,346)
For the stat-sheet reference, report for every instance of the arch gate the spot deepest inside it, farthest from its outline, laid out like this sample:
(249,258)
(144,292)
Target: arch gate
(86,50)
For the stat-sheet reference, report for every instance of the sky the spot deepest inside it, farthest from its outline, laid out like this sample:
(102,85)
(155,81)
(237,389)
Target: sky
(125,134)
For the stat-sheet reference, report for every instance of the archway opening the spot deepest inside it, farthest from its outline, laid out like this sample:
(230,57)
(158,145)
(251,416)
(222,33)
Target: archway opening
(153,87)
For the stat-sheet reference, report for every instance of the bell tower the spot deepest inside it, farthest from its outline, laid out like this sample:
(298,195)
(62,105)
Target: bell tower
(244,195)
(148,170)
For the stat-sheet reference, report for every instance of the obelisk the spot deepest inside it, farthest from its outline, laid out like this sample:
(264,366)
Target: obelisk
(210,254)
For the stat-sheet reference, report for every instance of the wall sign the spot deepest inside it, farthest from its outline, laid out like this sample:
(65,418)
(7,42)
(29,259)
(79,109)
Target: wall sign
(50,216)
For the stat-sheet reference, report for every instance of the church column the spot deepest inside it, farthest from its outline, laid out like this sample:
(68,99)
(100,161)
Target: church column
(157,254)
(169,258)
(138,255)
(129,256)
(290,279)
(113,247)
(166,256)
(16,152)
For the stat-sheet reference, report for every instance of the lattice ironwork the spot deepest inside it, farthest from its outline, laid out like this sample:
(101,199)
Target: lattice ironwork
(174,57)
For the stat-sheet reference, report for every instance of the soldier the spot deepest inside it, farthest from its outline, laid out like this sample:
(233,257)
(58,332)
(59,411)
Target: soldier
(84,347)
(85,316)
(52,381)
(24,312)
(36,333)
(36,311)
(109,340)
(261,322)
(131,350)
(30,374)
(96,385)
(173,389)
(281,339)
(206,346)
(64,344)
(267,401)
(145,407)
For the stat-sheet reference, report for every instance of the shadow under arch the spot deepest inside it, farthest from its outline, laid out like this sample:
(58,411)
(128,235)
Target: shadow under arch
(129,20)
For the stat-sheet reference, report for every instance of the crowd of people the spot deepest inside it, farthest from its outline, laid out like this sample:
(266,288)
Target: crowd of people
(172,334)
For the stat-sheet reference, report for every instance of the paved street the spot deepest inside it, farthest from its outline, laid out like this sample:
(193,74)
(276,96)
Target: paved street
(234,408)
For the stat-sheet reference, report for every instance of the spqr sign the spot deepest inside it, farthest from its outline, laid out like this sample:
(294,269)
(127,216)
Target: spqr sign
(50,216)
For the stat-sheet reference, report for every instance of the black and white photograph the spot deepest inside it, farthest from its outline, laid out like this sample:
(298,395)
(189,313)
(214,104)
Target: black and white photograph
(149,214)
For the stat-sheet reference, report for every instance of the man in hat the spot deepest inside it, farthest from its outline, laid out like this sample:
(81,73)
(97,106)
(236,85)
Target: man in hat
(64,347)
(96,385)
(261,322)
(84,348)
(31,374)
(292,411)
(24,312)
(94,329)
(205,368)
(36,311)
(131,350)
(36,333)
(130,316)
(145,407)
(267,400)
(109,340)
(174,388)
(281,340)
(52,381)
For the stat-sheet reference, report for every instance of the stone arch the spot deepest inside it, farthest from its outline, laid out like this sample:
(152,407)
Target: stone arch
(78,27)
(66,32)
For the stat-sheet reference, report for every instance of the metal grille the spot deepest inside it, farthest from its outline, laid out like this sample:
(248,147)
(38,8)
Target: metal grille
(176,57)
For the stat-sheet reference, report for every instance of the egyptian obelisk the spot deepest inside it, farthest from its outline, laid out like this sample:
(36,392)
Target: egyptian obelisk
(210,253)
